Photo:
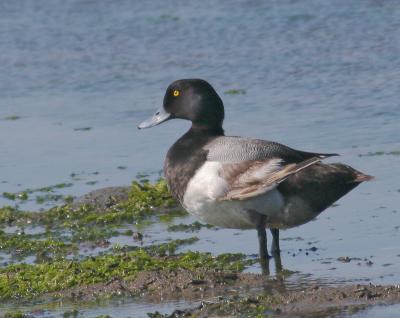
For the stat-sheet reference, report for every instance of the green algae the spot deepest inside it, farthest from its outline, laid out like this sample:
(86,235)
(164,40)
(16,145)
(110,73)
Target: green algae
(24,281)
(162,249)
(40,199)
(16,314)
(144,197)
(9,196)
(129,233)
(21,245)
(163,18)
(172,214)
(49,196)
(71,314)
(169,248)
(50,188)
(193,227)
(145,200)
(68,199)
(381,153)
(94,234)
(12,117)
(23,196)
(83,224)
(372,154)
(11,215)
(91,182)
(235,92)
(66,226)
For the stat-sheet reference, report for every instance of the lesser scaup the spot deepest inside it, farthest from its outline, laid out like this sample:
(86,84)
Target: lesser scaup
(243,183)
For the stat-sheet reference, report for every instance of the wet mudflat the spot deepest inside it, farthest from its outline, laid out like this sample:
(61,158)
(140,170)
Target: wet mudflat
(132,251)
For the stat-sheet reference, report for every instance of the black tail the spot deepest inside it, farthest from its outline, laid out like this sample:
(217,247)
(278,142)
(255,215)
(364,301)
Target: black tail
(322,184)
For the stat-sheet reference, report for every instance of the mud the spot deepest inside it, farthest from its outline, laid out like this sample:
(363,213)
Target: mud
(312,302)
(233,294)
(156,286)
(104,198)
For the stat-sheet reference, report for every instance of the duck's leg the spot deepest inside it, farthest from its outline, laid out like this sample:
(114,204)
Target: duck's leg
(260,222)
(262,241)
(275,250)
(263,251)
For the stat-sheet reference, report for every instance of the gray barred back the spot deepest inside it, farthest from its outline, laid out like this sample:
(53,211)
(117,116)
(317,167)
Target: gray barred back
(237,149)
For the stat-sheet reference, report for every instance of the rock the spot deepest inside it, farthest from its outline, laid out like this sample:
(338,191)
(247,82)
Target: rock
(104,198)
(344,259)
(137,236)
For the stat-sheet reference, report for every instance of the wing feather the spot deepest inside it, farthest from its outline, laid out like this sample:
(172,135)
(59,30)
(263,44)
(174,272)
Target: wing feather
(252,167)
(259,177)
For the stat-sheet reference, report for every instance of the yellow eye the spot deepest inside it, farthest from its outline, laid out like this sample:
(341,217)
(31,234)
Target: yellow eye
(176,93)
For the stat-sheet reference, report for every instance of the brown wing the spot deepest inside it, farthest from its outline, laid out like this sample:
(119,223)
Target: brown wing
(252,178)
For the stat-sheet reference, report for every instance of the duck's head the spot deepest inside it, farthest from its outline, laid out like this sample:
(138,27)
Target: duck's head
(191,99)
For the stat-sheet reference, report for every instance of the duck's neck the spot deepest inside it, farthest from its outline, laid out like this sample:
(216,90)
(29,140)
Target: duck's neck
(216,130)
(194,139)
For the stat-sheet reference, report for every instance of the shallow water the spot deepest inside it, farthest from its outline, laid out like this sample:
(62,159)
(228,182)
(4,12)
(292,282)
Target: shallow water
(380,312)
(113,308)
(80,75)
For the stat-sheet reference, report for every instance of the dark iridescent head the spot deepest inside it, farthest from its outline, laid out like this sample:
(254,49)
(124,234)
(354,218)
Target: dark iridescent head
(191,99)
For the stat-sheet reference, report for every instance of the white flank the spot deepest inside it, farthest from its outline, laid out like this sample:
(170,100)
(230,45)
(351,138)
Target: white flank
(207,186)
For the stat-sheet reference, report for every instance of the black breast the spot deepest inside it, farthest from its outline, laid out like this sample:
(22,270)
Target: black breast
(183,159)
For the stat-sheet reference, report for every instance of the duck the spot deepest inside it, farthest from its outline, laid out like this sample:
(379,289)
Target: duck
(243,183)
